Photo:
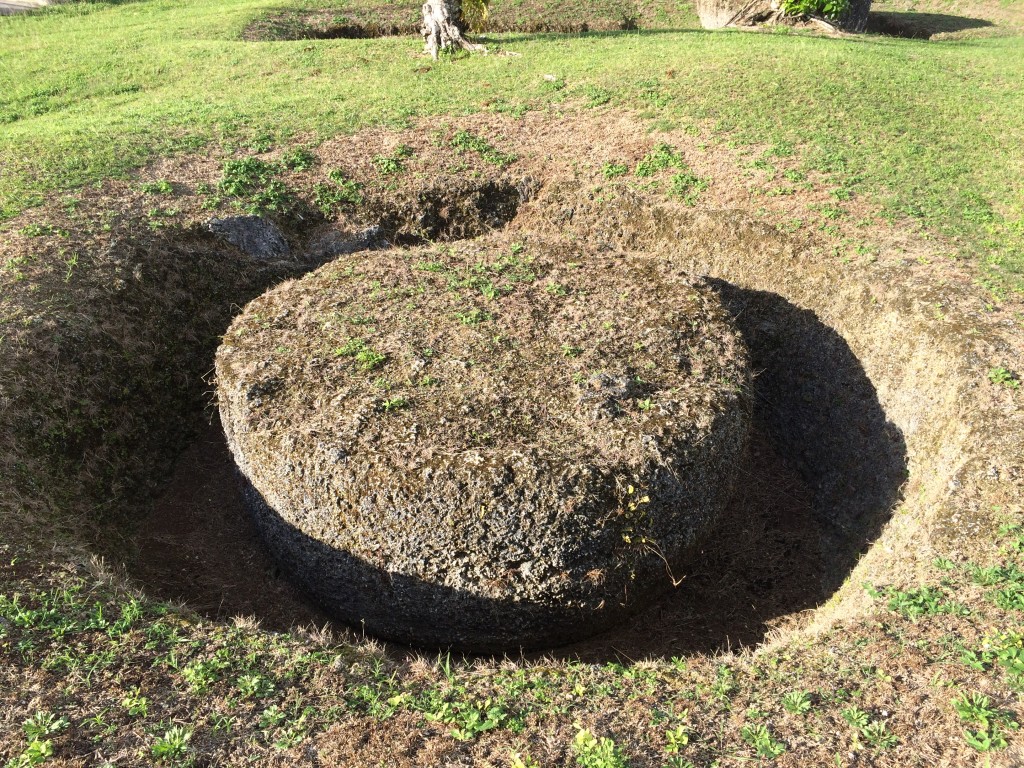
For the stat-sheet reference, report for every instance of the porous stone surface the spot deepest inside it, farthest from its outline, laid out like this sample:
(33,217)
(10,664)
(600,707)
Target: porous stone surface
(253,235)
(489,445)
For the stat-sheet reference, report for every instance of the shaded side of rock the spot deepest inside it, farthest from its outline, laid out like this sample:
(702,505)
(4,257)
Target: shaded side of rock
(253,235)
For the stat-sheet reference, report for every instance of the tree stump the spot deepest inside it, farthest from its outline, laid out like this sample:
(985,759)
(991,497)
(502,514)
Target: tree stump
(444,28)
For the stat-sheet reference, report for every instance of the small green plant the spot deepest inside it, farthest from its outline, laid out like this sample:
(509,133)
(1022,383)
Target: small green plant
(1004,378)
(39,230)
(272,717)
(159,187)
(254,686)
(920,601)
(393,404)
(340,191)
(473,316)
(466,141)
(172,746)
(135,704)
(35,753)
(856,716)
(388,165)
(660,158)
(687,186)
(298,159)
(797,702)
(676,739)
(645,404)
(367,357)
(568,350)
(43,724)
(555,289)
(592,752)
(760,738)
(521,760)
(613,170)
(877,734)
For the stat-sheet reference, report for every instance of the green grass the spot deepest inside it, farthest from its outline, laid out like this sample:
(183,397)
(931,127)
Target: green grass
(928,130)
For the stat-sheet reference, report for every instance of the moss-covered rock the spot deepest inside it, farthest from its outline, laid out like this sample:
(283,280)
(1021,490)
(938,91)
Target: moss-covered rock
(488,446)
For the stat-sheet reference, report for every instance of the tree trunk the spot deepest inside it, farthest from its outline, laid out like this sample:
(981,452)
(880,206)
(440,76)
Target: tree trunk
(443,27)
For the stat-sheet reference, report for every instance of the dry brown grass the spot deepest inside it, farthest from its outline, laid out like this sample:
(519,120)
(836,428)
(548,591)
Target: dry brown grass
(101,382)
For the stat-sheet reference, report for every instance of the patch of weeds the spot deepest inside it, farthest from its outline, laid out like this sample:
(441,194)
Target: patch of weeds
(254,184)
(367,357)
(592,752)
(172,746)
(136,704)
(596,96)
(388,165)
(797,702)
(254,686)
(201,675)
(919,601)
(568,350)
(392,404)
(878,735)
(262,143)
(613,170)
(555,289)
(473,316)
(660,158)
(826,210)
(760,738)
(340,191)
(466,141)
(875,732)
(243,177)
(40,230)
(159,187)
(469,720)
(676,739)
(687,186)
(794,175)
(1003,377)
(298,159)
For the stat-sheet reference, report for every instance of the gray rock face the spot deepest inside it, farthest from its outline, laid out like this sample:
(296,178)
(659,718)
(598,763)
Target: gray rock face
(253,235)
(335,243)
(489,452)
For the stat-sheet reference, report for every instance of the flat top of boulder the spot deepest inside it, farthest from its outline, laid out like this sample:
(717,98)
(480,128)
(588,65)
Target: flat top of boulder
(483,348)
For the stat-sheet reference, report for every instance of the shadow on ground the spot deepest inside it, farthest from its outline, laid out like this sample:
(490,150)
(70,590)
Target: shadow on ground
(920,26)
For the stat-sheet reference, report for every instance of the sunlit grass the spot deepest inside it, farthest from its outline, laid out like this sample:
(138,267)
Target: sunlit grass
(928,130)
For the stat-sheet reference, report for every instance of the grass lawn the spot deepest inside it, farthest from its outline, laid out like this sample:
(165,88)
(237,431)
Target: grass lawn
(929,130)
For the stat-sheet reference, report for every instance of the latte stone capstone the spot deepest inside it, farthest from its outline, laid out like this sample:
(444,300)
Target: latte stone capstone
(486,446)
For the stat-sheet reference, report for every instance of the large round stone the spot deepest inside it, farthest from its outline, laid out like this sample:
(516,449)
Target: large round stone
(487,446)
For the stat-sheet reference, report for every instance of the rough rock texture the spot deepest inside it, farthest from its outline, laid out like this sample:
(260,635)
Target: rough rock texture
(334,243)
(487,446)
(253,235)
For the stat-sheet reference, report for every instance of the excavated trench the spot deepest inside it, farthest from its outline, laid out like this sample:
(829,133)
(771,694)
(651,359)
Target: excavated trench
(860,411)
